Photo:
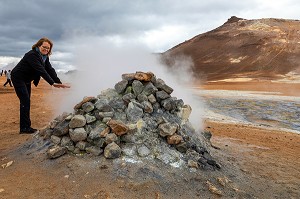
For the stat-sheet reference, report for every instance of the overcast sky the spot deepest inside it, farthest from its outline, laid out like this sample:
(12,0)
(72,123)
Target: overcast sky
(157,25)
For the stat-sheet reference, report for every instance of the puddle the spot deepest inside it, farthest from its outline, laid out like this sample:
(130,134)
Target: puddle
(281,112)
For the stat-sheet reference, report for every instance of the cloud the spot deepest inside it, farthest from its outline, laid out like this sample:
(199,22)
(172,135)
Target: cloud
(159,24)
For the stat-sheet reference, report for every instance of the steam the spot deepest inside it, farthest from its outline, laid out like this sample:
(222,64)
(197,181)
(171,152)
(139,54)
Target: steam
(100,64)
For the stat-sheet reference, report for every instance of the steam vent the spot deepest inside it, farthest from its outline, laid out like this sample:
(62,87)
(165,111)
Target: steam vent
(137,120)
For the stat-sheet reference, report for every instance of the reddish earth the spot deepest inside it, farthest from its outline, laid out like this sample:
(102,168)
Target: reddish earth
(262,163)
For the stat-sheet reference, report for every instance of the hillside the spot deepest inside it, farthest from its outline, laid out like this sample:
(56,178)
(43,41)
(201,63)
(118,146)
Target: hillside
(260,48)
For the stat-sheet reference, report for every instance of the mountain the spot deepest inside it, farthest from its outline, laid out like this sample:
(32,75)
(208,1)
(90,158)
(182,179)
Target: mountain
(259,48)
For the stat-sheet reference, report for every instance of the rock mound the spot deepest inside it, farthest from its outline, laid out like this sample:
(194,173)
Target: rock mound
(138,119)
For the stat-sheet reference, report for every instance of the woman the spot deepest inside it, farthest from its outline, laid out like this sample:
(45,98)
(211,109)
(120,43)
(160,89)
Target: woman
(33,65)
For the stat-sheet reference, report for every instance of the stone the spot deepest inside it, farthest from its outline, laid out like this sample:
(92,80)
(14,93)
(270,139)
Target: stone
(168,103)
(143,151)
(117,127)
(134,112)
(81,145)
(77,121)
(112,151)
(148,108)
(174,139)
(161,95)
(89,118)
(182,147)
(212,188)
(104,133)
(86,99)
(142,97)
(141,76)
(193,164)
(55,139)
(161,85)
(184,112)
(66,141)
(129,150)
(106,114)
(61,128)
(128,97)
(88,107)
(152,99)
(103,105)
(56,152)
(94,150)
(137,87)
(121,86)
(167,129)
(106,119)
(77,134)
(149,89)
(111,137)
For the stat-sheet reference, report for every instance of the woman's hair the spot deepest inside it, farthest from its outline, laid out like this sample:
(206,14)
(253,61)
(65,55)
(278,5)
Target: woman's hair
(41,41)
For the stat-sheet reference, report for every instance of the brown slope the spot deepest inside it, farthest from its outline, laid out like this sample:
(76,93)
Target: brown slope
(261,48)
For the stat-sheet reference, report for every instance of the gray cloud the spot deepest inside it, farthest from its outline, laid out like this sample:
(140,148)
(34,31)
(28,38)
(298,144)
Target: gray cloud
(23,22)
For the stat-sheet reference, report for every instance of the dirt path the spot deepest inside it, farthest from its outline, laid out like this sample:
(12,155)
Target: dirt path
(260,163)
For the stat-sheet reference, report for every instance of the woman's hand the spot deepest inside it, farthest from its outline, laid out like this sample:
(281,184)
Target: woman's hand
(61,85)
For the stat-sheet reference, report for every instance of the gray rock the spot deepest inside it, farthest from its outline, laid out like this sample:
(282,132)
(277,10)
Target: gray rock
(160,84)
(111,137)
(152,99)
(61,128)
(142,97)
(166,129)
(89,118)
(66,141)
(103,105)
(128,97)
(106,114)
(56,152)
(81,145)
(161,95)
(117,103)
(143,151)
(88,107)
(168,103)
(121,86)
(108,94)
(55,139)
(112,151)
(106,119)
(95,133)
(94,150)
(77,121)
(149,89)
(129,150)
(137,87)
(133,112)
(77,134)
(147,107)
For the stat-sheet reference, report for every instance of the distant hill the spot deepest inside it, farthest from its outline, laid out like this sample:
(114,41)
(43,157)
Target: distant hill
(259,48)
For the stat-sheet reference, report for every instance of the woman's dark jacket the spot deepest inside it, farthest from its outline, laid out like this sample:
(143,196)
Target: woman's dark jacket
(31,67)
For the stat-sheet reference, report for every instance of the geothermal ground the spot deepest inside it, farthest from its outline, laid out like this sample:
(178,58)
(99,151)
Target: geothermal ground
(256,145)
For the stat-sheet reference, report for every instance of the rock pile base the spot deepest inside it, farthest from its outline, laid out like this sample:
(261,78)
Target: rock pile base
(137,119)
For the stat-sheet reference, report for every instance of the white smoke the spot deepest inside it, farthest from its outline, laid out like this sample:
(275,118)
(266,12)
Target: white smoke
(100,64)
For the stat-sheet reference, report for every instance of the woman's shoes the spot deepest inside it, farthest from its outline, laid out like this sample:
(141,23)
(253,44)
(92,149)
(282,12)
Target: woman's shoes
(29,131)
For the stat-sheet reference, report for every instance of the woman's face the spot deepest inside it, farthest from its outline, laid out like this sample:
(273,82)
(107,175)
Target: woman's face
(44,48)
